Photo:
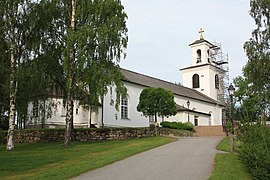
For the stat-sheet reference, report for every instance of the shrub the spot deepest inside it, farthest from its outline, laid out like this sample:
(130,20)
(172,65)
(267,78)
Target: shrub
(254,149)
(1,136)
(178,125)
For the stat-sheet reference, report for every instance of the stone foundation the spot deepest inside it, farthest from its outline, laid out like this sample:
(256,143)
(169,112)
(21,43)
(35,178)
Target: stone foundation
(106,134)
(90,135)
(102,134)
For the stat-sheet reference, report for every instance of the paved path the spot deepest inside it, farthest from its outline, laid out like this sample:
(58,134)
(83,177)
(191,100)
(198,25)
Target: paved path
(185,159)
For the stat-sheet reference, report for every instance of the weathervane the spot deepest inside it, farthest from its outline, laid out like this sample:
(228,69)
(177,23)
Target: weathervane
(201,33)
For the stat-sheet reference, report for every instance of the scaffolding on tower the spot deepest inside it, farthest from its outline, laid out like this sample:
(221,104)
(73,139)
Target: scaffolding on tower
(220,60)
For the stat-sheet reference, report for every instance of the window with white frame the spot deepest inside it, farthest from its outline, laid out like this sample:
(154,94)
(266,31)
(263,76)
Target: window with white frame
(210,118)
(151,119)
(195,81)
(124,108)
(64,110)
(196,120)
(216,81)
(35,108)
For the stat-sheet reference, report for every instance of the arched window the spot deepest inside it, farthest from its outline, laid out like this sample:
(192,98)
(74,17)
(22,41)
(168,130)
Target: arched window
(210,118)
(35,108)
(124,108)
(199,56)
(208,55)
(195,81)
(216,81)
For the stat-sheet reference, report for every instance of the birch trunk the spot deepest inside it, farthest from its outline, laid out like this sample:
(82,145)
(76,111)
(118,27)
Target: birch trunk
(69,117)
(13,89)
(70,82)
(156,125)
(90,116)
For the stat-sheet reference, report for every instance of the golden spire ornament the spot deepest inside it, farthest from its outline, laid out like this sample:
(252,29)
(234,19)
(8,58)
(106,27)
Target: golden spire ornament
(201,33)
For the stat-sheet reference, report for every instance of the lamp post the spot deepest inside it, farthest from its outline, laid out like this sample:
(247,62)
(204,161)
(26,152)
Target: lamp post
(231,90)
(188,103)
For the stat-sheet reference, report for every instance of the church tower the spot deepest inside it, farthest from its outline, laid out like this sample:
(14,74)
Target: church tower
(207,72)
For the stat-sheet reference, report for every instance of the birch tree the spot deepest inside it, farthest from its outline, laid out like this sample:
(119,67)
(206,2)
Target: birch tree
(4,71)
(256,71)
(101,37)
(92,35)
(15,20)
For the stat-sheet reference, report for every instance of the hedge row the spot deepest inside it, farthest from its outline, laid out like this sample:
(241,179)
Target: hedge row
(254,149)
(178,125)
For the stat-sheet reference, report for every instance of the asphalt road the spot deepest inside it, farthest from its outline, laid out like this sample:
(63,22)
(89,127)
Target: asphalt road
(185,159)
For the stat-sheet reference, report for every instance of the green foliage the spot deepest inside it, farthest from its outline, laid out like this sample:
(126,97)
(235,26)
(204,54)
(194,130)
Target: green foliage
(93,39)
(178,125)
(254,94)
(224,145)
(157,101)
(4,75)
(249,102)
(20,27)
(2,137)
(90,52)
(3,122)
(82,61)
(254,149)
(257,48)
(229,167)
(55,161)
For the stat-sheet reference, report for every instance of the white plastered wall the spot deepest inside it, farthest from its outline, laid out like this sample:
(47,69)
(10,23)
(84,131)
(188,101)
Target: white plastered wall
(112,117)
(206,78)
(136,119)
(204,47)
(200,106)
(55,114)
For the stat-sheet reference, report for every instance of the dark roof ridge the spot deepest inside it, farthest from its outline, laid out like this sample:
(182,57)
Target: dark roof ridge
(150,76)
(182,108)
(206,98)
(201,41)
(201,65)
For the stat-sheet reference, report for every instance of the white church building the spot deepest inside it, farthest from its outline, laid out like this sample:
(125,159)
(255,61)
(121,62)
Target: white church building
(198,100)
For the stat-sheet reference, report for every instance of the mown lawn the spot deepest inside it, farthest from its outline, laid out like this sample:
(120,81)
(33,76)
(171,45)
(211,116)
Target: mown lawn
(228,166)
(224,145)
(55,161)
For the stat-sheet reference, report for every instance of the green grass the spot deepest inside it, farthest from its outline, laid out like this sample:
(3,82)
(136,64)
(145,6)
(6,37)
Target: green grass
(228,166)
(55,161)
(224,145)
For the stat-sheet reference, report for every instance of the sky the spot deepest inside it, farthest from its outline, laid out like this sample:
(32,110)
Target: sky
(160,32)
